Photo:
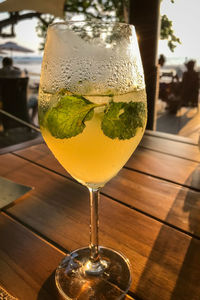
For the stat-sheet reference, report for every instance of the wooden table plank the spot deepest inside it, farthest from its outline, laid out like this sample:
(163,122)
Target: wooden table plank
(41,155)
(170,136)
(165,166)
(165,201)
(27,262)
(169,202)
(164,260)
(175,148)
(171,145)
(179,170)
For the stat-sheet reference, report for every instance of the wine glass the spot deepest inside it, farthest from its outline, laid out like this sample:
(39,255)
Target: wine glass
(92,114)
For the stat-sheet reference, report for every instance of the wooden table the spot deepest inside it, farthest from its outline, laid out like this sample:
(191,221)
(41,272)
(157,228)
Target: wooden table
(150,211)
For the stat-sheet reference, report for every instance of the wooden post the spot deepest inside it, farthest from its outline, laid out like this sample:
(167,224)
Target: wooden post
(145,16)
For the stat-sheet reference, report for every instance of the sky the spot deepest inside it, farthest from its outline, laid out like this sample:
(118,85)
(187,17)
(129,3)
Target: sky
(26,34)
(185,15)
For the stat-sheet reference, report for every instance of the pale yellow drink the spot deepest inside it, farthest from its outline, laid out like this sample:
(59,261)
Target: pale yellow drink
(91,157)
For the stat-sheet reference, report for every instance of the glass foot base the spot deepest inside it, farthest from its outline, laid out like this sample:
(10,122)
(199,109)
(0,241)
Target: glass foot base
(77,278)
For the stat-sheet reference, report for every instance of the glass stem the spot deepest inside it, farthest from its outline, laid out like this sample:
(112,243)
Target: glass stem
(94,225)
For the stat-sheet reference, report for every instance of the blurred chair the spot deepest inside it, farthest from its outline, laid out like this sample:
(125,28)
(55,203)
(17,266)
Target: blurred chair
(13,95)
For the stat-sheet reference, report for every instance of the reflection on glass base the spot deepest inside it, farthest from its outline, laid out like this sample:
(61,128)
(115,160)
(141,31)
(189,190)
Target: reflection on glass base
(75,279)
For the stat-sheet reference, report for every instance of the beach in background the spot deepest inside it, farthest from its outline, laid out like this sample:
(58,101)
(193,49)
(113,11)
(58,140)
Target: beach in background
(33,65)
(180,61)
(30,63)
(176,65)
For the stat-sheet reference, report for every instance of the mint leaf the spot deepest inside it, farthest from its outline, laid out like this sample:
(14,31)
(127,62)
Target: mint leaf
(121,120)
(67,118)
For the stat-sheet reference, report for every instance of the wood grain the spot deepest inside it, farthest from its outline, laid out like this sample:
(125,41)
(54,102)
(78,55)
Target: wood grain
(41,155)
(165,261)
(26,262)
(167,167)
(174,148)
(169,136)
(164,200)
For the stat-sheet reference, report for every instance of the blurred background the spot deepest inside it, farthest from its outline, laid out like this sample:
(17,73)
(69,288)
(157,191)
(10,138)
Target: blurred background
(176,42)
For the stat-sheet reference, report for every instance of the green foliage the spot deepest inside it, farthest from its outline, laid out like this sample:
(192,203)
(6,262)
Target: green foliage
(101,9)
(115,10)
(41,28)
(167,33)
(67,119)
(121,120)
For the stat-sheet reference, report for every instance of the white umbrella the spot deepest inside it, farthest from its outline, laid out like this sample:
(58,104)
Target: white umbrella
(11,46)
(53,7)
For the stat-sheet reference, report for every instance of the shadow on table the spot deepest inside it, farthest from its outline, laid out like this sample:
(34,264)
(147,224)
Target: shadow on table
(176,255)
(172,123)
(49,290)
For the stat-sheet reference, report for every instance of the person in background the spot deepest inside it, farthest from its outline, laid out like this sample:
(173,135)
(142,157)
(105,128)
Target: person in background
(8,70)
(161,60)
(179,73)
(33,106)
(190,85)
(162,85)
